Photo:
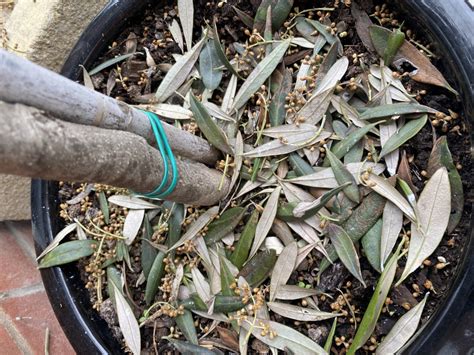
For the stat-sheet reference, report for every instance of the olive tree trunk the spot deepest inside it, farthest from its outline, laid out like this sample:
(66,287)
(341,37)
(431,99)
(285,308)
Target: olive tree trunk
(36,145)
(26,83)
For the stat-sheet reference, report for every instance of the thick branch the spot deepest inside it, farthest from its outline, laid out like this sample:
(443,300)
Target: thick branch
(27,83)
(35,145)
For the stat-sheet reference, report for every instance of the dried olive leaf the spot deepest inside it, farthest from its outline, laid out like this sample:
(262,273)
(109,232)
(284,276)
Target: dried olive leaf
(259,75)
(226,223)
(241,252)
(259,267)
(345,250)
(283,269)
(302,42)
(176,283)
(383,187)
(343,177)
(371,244)
(362,23)
(266,220)
(287,144)
(154,278)
(376,304)
(188,348)
(202,286)
(208,127)
(425,72)
(307,209)
(392,225)
(286,338)
(196,226)
(403,330)
(315,108)
(178,73)
(276,110)
(405,133)
(332,332)
(58,238)
(286,130)
(148,251)
(132,225)
(299,313)
(127,322)
(333,76)
(68,252)
(324,178)
(347,111)
(327,63)
(177,35)
(216,111)
(174,112)
(186,17)
(434,206)
(396,109)
(441,156)
(293,292)
(185,323)
(131,202)
(209,66)
(110,62)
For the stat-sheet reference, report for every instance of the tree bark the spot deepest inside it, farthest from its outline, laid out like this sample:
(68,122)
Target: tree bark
(27,83)
(35,145)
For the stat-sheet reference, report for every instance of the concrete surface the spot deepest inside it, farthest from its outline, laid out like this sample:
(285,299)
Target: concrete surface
(43,31)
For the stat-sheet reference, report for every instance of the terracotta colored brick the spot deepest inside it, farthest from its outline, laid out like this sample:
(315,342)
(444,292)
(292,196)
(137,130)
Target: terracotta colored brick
(21,231)
(31,315)
(7,344)
(17,268)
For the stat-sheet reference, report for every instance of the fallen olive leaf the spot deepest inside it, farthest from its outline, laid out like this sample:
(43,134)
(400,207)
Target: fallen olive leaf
(371,244)
(148,252)
(396,109)
(131,202)
(154,278)
(283,268)
(188,348)
(67,252)
(344,177)
(202,286)
(242,249)
(259,267)
(209,63)
(132,225)
(58,239)
(299,313)
(276,110)
(293,292)
(405,133)
(392,225)
(185,323)
(226,223)
(186,17)
(177,35)
(110,62)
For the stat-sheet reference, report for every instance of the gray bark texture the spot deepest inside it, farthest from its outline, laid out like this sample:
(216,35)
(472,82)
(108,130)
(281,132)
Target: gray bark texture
(36,145)
(26,83)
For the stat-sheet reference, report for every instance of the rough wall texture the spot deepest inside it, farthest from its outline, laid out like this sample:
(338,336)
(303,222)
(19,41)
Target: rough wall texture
(43,31)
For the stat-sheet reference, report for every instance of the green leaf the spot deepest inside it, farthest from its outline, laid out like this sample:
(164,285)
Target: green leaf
(148,252)
(280,11)
(405,133)
(434,206)
(371,244)
(227,279)
(209,66)
(68,252)
(299,165)
(277,110)
(345,250)
(332,332)
(175,222)
(219,50)
(257,269)
(403,330)
(104,206)
(154,278)
(372,313)
(441,156)
(114,278)
(178,73)
(259,75)
(185,323)
(246,19)
(222,304)
(110,62)
(225,224)
(299,313)
(396,109)
(208,127)
(343,176)
(283,268)
(58,238)
(395,40)
(242,249)
(330,38)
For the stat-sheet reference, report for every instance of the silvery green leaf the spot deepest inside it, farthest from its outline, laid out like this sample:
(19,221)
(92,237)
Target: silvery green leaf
(127,322)
(325,177)
(131,202)
(110,62)
(304,231)
(179,72)
(209,66)
(283,268)
(391,227)
(289,129)
(302,42)
(259,75)
(388,130)
(229,95)
(387,73)
(243,342)
(58,238)
(286,338)
(293,292)
(403,330)
(266,220)
(396,109)
(68,252)
(315,108)
(186,348)
(384,188)
(186,16)
(395,94)
(220,52)
(371,245)
(202,286)
(287,144)
(347,111)
(87,79)
(301,75)
(303,252)
(333,76)
(344,177)
(178,277)
(238,160)
(345,250)
(174,112)
(216,111)
(196,226)
(132,225)
(330,38)
(434,206)
(177,35)
(299,313)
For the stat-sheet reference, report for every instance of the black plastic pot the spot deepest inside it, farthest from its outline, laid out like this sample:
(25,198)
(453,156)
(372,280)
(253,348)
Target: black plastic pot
(450,23)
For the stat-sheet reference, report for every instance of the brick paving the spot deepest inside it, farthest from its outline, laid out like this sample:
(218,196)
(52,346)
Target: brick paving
(25,313)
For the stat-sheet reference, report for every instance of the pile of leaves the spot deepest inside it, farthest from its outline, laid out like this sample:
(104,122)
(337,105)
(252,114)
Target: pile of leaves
(312,135)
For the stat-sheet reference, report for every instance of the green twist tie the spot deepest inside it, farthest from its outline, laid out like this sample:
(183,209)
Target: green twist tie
(166,154)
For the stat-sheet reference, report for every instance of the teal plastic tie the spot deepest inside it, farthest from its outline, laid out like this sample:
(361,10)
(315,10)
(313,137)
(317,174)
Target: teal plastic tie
(167,155)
